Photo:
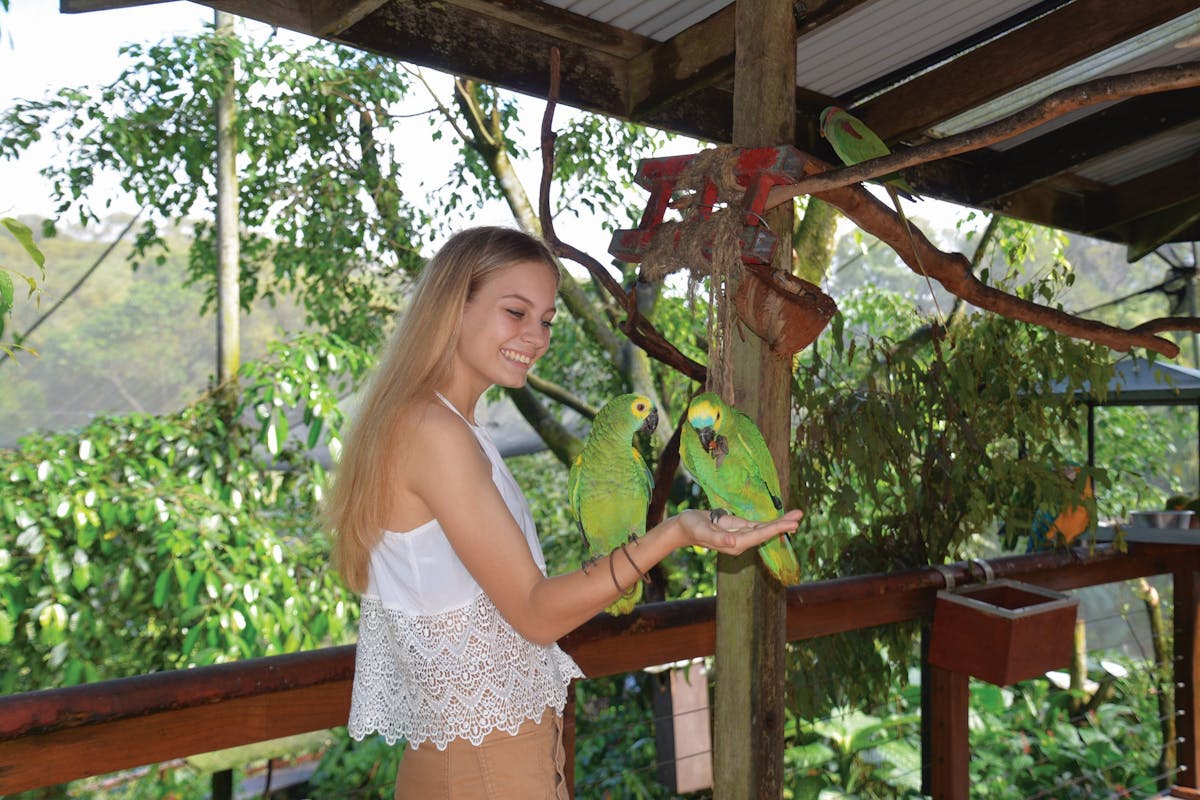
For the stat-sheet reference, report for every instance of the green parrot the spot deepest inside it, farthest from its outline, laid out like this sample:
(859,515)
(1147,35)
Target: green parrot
(854,142)
(608,488)
(727,455)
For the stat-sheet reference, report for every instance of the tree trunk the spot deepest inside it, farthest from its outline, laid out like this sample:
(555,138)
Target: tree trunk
(487,138)
(228,291)
(1164,670)
(750,656)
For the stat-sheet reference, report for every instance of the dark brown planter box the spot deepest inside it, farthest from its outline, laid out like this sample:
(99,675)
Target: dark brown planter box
(1003,631)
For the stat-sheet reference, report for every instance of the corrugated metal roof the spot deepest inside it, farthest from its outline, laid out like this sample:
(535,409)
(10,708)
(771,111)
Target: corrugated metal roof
(656,19)
(881,36)
(1167,148)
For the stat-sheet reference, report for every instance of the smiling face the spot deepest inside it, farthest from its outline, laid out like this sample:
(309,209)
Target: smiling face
(505,327)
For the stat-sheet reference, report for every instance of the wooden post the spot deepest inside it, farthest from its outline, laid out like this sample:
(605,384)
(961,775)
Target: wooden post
(1187,595)
(949,770)
(751,615)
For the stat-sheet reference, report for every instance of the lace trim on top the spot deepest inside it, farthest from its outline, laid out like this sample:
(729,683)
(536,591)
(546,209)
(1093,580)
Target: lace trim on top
(462,673)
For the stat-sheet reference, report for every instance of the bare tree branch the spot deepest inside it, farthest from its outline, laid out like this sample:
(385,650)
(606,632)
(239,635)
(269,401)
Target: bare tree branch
(639,329)
(559,393)
(1101,90)
(953,271)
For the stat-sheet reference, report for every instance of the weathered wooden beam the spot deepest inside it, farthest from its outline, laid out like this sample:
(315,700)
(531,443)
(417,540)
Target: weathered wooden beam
(699,56)
(1057,40)
(67,754)
(84,6)
(559,24)
(751,663)
(1147,235)
(1145,195)
(46,737)
(494,51)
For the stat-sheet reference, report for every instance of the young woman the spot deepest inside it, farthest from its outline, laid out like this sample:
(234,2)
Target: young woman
(456,650)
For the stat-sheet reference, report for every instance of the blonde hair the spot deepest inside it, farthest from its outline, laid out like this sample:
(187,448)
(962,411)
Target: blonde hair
(417,361)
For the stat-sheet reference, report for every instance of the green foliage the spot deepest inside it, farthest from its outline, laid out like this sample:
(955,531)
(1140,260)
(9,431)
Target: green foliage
(322,215)
(24,236)
(351,769)
(145,543)
(1024,742)
(614,746)
(905,457)
(853,754)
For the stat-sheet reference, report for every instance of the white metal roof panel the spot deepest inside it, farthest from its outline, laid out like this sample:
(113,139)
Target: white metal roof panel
(656,19)
(884,35)
(1167,148)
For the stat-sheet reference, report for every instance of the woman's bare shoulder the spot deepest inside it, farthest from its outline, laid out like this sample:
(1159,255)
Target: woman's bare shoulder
(437,434)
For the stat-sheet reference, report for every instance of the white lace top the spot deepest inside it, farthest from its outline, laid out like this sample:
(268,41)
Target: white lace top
(435,659)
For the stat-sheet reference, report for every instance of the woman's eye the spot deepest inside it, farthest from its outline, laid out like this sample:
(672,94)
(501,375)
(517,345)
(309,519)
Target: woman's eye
(517,314)
(547,324)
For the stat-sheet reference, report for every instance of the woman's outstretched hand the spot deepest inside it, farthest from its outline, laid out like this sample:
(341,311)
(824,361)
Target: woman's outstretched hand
(731,534)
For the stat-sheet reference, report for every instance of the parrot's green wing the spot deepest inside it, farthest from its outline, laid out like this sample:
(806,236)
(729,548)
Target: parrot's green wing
(575,495)
(609,485)
(751,441)
(854,143)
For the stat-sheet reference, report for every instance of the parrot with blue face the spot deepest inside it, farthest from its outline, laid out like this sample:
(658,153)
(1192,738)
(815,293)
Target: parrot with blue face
(854,142)
(609,485)
(727,455)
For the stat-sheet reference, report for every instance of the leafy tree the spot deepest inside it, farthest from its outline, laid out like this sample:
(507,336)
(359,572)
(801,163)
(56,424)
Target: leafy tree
(24,236)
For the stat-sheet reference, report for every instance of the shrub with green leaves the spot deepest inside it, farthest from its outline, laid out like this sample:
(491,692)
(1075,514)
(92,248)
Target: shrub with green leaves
(142,543)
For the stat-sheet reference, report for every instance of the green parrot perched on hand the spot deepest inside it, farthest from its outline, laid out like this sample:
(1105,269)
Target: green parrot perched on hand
(727,455)
(609,485)
(854,142)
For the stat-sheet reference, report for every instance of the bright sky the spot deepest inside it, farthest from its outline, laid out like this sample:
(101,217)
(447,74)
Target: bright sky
(42,50)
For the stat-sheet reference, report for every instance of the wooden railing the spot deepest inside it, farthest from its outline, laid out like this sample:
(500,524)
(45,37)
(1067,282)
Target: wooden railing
(58,735)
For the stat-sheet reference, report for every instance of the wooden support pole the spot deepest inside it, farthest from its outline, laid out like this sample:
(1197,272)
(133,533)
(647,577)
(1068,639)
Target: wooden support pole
(949,773)
(1187,595)
(751,612)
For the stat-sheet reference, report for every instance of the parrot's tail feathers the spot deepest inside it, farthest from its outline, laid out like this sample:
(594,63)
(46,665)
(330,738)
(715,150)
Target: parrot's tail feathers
(626,602)
(780,559)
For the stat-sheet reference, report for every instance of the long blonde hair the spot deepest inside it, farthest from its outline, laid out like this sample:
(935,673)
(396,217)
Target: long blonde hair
(417,361)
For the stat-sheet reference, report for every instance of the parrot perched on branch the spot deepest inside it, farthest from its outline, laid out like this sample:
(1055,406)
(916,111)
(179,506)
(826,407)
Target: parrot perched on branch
(609,485)
(727,455)
(854,142)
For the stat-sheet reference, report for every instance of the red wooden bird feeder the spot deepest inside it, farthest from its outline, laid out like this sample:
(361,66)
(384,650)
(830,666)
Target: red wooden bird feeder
(785,311)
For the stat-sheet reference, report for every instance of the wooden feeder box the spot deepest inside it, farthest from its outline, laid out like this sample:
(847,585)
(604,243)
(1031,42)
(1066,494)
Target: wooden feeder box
(1003,631)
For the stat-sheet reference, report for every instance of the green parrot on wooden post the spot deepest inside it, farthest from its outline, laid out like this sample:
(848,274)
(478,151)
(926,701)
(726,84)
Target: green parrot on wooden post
(609,485)
(727,455)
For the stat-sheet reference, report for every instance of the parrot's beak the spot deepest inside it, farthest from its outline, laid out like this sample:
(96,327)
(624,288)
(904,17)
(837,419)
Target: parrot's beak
(706,437)
(651,421)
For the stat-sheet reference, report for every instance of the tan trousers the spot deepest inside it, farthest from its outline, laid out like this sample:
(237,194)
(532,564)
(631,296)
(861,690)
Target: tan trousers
(525,766)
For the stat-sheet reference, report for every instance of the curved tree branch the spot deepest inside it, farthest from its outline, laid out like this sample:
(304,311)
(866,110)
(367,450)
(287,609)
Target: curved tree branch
(1101,90)
(639,329)
(559,393)
(953,271)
